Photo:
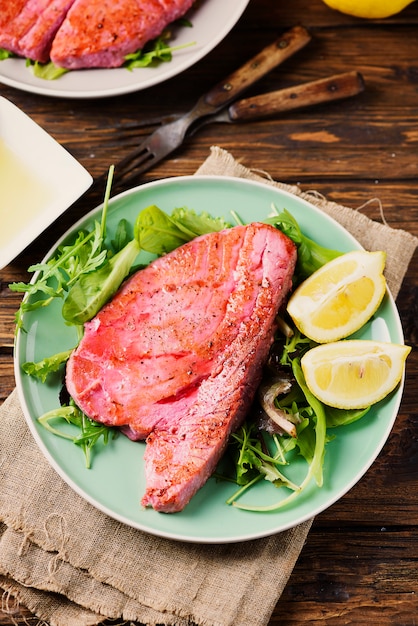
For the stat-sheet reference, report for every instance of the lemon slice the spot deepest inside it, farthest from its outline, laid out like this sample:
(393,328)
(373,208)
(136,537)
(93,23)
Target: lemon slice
(369,9)
(354,374)
(340,297)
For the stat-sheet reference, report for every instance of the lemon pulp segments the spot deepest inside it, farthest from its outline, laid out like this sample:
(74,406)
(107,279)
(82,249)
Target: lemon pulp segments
(339,298)
(354,374)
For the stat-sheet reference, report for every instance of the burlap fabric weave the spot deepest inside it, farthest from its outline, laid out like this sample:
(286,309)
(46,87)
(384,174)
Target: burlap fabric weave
(71,565)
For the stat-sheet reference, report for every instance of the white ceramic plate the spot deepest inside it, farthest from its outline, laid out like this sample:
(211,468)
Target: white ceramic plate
(116,483)
(212,20)
(39,180)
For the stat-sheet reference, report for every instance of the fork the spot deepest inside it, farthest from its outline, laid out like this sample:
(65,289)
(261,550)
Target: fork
(315,92)
(329,89)
(170,136)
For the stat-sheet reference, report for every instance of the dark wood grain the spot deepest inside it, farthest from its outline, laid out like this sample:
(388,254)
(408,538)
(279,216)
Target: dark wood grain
(360,563)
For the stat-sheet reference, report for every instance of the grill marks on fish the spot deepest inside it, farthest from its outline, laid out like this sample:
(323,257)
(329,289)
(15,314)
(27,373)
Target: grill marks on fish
(10,10)
(176,356)
(22,19)
(77,34)
(36,44)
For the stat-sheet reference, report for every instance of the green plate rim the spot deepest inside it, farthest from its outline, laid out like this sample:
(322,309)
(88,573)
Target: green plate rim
(204,520)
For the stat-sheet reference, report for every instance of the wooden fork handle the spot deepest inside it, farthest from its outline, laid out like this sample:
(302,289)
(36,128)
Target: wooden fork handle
(270,57)
(307,94)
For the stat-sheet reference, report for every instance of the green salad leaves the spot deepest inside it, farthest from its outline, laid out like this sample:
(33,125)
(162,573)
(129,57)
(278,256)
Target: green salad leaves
(85,273)
(257,455)
(5,54)
(88,432)
(311,256)
(158,51)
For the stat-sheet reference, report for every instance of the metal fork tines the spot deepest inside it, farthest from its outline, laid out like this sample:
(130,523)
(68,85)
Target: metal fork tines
(161,143)
(167,138)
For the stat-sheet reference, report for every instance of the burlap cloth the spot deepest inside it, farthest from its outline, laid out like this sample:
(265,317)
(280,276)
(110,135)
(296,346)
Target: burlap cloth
(71,565)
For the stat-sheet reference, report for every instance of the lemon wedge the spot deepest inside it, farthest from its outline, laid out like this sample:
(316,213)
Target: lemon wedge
(354,374)
(340,297)
(369,9)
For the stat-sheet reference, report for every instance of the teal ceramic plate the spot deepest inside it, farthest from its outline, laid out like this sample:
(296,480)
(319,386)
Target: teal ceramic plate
(115,483)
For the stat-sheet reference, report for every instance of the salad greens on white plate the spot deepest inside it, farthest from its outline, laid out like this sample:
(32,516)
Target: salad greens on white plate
(207,31)
(292,477)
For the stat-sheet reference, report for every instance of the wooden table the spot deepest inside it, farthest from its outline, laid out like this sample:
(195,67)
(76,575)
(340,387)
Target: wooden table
(360,563)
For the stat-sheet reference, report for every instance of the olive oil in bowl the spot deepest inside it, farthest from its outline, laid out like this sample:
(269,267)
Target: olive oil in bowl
(22,194)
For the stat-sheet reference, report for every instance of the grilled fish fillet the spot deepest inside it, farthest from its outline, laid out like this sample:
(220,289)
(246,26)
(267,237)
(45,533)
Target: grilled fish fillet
(176,356)
(100,33)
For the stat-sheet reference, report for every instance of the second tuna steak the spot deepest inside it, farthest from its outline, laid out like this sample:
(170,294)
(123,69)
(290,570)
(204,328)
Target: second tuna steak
(175,358)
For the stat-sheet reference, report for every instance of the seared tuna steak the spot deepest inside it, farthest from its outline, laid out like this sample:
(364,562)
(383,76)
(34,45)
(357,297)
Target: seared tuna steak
(177,355)
(21,18)
(36,44)
(10,10)
(100,33)
(78,34)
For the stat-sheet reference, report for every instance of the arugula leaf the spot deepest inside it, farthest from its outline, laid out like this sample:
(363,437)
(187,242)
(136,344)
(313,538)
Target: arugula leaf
(248,458)
(59,272)
(71,261)
(295,344)
(153,54)
(90,432)
(253,461)
(311,447)
(41,369)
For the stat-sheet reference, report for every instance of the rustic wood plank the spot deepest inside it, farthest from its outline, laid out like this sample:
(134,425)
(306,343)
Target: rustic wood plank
(343,594)
(359,562)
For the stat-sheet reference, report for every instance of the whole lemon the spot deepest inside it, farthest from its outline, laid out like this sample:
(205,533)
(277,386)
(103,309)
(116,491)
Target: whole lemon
(369,9)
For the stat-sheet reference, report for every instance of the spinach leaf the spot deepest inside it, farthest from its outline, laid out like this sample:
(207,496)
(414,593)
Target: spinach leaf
(159,233)
(91,292)
(311,255)
(156,232)
(343,417)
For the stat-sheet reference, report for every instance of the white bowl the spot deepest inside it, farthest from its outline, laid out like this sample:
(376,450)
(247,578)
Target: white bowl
(39,180)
